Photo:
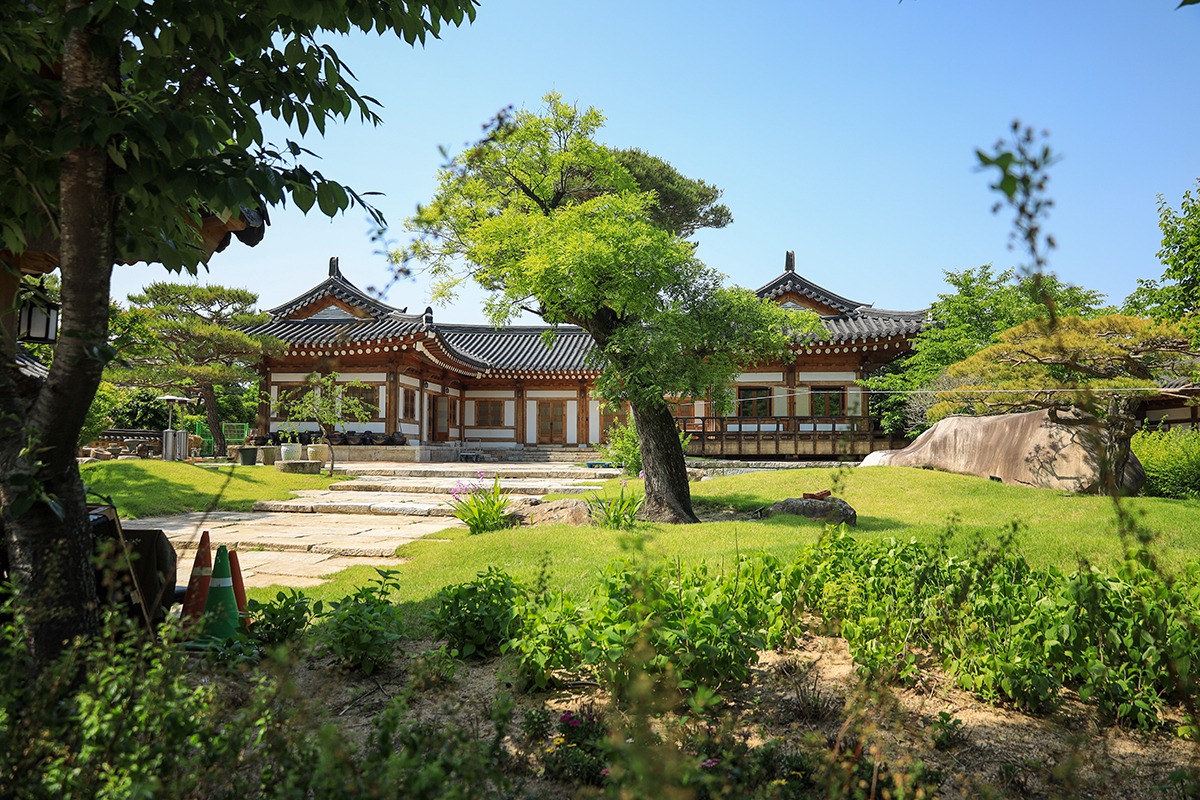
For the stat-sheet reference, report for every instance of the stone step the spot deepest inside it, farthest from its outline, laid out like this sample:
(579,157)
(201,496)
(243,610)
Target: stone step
(477,472)
(440,486)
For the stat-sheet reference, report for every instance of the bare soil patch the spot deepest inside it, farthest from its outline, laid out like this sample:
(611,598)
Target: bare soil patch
(805,698)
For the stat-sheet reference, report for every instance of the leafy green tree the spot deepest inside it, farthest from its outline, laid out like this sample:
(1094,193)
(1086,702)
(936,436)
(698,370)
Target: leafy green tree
(983,304)
(554,223)
(329,404)
(124,129)
(195,343)
(1175,296)
(1106,366)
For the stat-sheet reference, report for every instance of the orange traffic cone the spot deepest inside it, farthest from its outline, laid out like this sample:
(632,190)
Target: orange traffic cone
(239,588)
(220,611)
(197,589)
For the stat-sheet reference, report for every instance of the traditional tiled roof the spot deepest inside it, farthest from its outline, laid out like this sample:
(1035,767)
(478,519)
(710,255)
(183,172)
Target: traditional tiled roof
(317,332)
(525,349)
(856,320)
(337,287)
(522,349)
(30,366)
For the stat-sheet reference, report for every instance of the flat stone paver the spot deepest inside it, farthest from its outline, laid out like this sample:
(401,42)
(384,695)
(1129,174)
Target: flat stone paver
(292,549)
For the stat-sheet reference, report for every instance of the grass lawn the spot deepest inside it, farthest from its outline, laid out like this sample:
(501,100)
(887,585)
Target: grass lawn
(154,488)
(1053,529)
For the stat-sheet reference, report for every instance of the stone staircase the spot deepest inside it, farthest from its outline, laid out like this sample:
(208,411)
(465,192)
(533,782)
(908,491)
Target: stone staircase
(535,454)
(425,490)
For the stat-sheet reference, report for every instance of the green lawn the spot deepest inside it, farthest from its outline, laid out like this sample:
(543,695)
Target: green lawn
(155,488)
(1054,529)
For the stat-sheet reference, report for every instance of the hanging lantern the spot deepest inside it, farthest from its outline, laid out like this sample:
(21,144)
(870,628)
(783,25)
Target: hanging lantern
(37,318)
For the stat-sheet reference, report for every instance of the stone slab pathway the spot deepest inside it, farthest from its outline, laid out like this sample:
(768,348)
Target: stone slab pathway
(292,549)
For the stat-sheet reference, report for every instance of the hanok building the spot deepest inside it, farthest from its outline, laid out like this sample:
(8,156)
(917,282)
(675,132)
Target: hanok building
(440,387)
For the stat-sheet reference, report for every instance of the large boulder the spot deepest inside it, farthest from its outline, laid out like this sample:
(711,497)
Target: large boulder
(1029,449)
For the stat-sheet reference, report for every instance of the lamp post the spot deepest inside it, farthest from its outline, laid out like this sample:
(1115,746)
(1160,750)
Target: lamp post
(174,444)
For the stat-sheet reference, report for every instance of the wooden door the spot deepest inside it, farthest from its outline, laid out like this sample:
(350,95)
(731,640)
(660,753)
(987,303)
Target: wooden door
(552,422)
(439,415)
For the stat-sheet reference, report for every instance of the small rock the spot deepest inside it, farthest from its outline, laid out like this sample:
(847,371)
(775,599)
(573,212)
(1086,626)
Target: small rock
(831,510)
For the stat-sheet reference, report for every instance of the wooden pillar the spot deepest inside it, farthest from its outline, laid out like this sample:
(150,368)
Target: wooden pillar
(10,279)
(391,399)
(262,420)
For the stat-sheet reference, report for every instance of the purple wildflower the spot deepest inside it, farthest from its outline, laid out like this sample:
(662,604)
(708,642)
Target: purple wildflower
(709,763)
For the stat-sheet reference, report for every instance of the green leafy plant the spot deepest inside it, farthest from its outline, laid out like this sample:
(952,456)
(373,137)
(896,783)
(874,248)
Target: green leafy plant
(624,449)
(283,619)
(361,630)
(476,618)
(617,513)
(432,669)
(482,508)
(946,731)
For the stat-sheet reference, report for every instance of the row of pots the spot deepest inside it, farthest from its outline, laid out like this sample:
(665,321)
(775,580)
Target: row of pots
(247,455)
(338,438)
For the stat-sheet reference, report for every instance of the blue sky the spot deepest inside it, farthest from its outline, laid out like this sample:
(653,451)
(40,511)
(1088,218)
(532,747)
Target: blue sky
(844,130)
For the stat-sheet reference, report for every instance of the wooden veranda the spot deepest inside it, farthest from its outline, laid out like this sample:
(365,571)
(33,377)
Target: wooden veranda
(784,437)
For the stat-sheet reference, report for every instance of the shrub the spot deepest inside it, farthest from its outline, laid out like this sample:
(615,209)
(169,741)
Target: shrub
(1171,459)
(283,619)
(476,618)
(482,508)
(361,629)
(625,451)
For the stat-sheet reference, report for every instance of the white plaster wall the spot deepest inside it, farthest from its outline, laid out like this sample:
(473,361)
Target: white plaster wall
(854,404)
(510,413)
(530,422)
(779,401)
(546,393)
(825,377)
(572,422)
(803,402)
(760,377)
(490,394)
(489,433)
(594,421)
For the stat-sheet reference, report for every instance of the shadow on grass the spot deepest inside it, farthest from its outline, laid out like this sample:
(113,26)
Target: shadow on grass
(137,492)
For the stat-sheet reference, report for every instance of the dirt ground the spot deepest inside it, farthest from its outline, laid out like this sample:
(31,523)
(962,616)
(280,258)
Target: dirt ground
(812,693)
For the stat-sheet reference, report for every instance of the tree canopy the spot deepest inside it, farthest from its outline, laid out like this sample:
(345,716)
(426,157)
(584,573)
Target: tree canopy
(1176,295)
(193,341)
(1105,366)
(984,304)
(555,223)
(127,132)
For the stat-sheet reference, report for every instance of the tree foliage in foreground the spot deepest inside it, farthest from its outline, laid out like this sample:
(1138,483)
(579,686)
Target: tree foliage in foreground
(1106,366)
(983,304)
(552,222)
(123,128)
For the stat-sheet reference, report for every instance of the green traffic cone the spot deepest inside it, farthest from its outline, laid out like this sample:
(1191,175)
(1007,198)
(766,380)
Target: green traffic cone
(221,620)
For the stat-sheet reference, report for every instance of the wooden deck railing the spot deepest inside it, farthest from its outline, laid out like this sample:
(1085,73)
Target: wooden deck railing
(784,437)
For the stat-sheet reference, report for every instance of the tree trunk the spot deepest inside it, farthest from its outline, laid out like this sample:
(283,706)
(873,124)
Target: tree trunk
(50,556)
(668,495)
(326,430)
(1121,422)
(209,395)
